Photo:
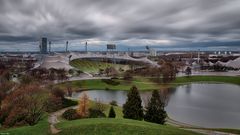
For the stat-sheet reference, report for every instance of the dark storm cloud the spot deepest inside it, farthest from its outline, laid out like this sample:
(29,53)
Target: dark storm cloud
(124,21)
(16,38)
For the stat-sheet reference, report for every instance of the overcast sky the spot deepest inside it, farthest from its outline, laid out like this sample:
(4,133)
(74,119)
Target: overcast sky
(212,24)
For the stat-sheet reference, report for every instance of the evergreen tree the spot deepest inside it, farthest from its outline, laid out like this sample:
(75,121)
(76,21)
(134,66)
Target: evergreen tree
(133,109)
(112,113)
(155,110)
(188,71)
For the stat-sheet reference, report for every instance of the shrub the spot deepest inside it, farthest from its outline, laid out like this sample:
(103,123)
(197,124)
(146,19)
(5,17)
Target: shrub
(25,103)
(114,77)
(112,113)
(54,103)
(71,71)
(69,102)
(70,114)
(113,103)
(111,82)
(3,115)
(127,76)
(58,92)
(96,113)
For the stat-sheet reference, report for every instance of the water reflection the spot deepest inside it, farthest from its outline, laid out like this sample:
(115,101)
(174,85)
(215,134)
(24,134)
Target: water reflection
(205,105)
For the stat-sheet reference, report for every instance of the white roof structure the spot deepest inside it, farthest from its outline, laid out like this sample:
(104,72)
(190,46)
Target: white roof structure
(231,63)
(234,63)
(115,56)
(56,65)
(61,60)
(56,62)
(210,63)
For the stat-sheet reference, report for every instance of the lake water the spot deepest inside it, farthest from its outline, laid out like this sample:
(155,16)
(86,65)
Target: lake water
(204,105)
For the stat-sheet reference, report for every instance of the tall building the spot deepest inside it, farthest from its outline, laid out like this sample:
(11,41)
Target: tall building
(43,46)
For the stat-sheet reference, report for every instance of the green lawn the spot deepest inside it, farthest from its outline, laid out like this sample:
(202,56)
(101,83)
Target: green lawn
(94,66)
(221,79)
(107,126)
(145,84)
(110,126)
(42,128)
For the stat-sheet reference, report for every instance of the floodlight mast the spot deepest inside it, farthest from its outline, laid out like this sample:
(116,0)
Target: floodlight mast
(86,47)
(50,43)
(66,46)
(198,56)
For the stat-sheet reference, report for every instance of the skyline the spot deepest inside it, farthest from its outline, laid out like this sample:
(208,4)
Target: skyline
(166,24)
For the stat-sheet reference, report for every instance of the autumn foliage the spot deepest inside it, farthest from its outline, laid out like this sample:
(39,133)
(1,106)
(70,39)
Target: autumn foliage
(24,105)
(83,106)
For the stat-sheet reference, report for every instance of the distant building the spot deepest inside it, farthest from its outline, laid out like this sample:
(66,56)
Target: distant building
(43,46)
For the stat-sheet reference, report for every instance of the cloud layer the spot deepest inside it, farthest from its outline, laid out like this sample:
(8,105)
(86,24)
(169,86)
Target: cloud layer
(135,22)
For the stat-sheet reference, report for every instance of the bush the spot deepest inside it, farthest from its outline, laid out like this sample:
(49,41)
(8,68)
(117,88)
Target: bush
(25,104)
(96,113)
(69,102)
(110,82)
(54,103)
(114,77)
(71,71)
(3,115)
(70,114)
(127,76)
(58,92)
(112,113)
(113,103)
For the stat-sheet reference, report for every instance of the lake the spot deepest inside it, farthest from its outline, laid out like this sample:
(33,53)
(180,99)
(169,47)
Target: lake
(204,105)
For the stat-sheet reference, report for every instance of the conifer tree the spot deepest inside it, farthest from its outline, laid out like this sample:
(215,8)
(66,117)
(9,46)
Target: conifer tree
(155,110)
(112,113)
(133,109)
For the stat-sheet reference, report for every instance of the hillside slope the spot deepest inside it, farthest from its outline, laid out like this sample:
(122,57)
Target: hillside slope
(107,126)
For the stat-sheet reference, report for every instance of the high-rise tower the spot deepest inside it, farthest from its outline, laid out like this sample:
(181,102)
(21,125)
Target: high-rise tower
(43,46)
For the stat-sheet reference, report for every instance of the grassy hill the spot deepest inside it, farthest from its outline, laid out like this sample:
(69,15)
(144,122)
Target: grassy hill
(42,128)
(94,66)
(107,126)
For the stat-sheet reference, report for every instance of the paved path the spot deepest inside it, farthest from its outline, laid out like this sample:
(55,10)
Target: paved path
(53,119)
(81,78)
(197,129)
(209,73)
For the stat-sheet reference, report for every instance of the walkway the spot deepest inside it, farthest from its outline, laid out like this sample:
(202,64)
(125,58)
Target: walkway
(53,119)
(200,130)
